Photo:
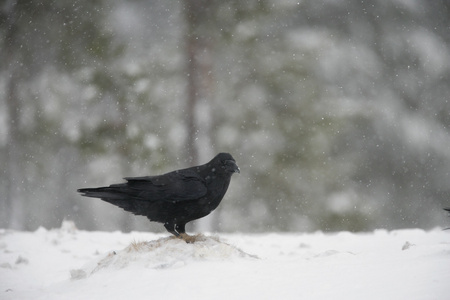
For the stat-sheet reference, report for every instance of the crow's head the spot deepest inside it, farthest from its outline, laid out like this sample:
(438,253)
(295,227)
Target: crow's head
(226,163)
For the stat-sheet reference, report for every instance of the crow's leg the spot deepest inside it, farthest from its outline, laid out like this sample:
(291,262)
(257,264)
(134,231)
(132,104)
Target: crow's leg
(171,228)
(180,228)
(179,231)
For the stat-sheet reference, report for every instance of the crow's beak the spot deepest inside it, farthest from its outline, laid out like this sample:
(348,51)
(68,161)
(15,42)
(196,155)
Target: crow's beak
(237,170)
(232,167)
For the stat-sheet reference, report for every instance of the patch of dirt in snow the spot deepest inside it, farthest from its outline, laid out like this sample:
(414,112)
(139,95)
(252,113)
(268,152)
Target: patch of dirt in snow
(164,253)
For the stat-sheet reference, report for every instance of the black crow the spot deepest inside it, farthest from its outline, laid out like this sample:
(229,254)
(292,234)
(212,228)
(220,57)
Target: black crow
(174,198)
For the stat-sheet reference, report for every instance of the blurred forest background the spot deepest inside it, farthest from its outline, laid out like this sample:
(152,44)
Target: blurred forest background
(337,112)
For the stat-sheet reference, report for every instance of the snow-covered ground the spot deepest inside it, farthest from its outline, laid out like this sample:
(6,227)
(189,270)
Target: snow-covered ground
(67,263)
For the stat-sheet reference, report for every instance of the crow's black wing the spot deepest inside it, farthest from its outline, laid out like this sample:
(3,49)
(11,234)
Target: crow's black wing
(174,187)
(152,196)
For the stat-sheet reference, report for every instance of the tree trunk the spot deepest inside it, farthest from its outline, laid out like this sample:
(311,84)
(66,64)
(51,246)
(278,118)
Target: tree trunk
(199,89)
(193,86)
(11,200)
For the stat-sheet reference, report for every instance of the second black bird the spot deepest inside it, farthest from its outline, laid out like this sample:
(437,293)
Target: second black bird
(174,198)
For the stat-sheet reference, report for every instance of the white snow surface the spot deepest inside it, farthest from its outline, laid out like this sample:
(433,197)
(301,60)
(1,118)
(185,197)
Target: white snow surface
(67,263)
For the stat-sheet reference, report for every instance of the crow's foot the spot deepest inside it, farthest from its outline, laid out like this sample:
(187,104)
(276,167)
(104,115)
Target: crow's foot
(190,239)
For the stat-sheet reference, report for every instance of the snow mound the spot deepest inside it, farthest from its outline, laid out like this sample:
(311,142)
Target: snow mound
(164,253)
(411,264)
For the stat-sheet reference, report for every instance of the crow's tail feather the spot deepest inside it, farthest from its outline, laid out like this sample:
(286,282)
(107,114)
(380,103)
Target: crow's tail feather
(119,195)
(133,200)
(110,192)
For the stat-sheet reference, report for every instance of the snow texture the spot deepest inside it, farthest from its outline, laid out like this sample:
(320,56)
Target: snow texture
(67,263)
